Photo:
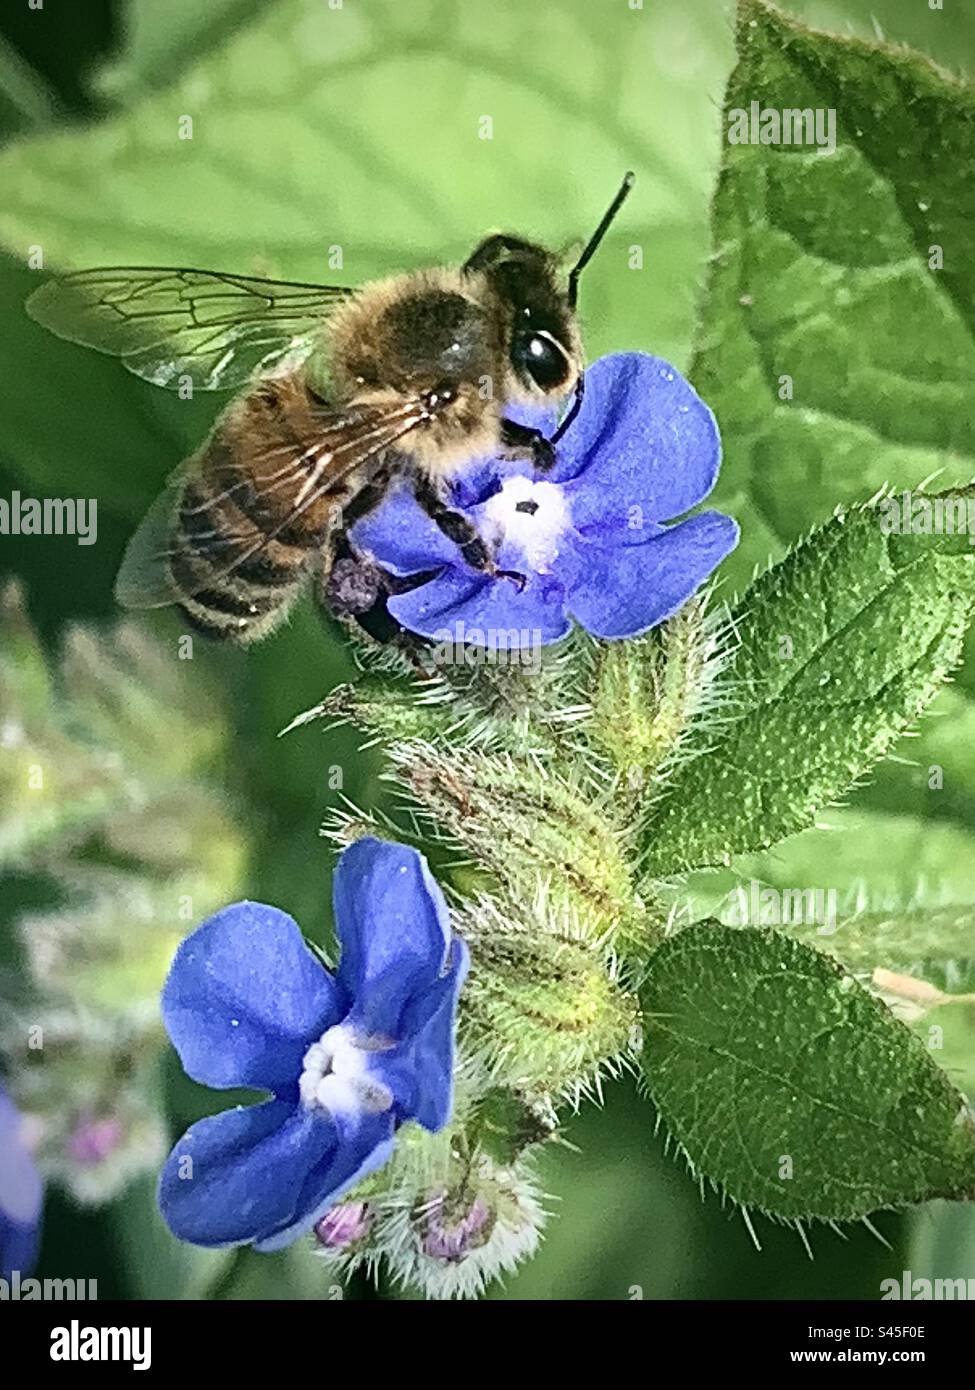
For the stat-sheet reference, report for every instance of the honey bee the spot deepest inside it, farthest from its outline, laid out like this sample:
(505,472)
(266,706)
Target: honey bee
(345,390)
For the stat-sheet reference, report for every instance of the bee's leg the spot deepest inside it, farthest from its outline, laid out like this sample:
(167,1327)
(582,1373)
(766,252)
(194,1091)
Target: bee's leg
(460,529)
(356,590)
(367,498)
(353,586)
(522,439)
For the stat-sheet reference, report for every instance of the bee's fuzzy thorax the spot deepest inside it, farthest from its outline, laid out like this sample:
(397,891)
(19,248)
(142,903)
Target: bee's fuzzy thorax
(367,347)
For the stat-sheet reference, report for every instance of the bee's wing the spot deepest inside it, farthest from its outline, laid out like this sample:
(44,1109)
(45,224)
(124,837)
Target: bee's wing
(165,323)
(346,440)
(144,579)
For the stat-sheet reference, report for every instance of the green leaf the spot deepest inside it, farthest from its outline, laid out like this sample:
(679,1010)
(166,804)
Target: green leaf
(942,1247)
(904,891)
(937,946)
(362,128)
(935,777)
(763,1057)
(821,273)
(156,1264)
(841,646)
(160,39)
(873,861)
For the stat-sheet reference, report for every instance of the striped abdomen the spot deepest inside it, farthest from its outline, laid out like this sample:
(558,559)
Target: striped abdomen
(253,517)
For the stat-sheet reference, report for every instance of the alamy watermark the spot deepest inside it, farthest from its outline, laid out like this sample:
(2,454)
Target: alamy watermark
(50,516)
(767,125)
(759,905)
(19,1290)
(77,1343)
(461,645)
(910,514)
(926,1290)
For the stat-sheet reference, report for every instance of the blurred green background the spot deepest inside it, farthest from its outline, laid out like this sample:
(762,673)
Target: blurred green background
(359,126)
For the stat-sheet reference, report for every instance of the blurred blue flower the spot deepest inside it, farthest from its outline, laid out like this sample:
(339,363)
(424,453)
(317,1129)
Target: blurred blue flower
(21,1194)
(587,536)
(347,1058)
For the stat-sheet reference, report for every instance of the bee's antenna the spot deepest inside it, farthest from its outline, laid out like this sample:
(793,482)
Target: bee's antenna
(629,179)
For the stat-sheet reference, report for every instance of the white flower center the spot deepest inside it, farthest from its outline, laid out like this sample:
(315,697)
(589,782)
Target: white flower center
(533,516)
(336,1078)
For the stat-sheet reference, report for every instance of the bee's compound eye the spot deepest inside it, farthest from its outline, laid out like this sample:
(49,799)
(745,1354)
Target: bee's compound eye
(542,358)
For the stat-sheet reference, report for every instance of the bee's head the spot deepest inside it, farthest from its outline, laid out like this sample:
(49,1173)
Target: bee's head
(542,339)
(544,348)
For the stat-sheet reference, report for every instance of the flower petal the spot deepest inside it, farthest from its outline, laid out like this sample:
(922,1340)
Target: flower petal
(244,998)
(400,536)
(536,415)
(20,1182)
(233,1175)
(420,1073)
(457,603)
(242,1176)
(621,591)
(392,922)
(19,1245)
(644,445)
(366,1142)
(21,1195)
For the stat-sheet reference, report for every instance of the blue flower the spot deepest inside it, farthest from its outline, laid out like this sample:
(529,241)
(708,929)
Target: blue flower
(21,1195)
(347,1057)
(587,536)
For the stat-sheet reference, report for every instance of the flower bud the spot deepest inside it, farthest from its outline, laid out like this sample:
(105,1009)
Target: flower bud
(526,826)
(345,1228)
(647,690)
(93,1139)
(83,1080)
(544,1013)
(455,1228)
(97,1153)
(456,1237)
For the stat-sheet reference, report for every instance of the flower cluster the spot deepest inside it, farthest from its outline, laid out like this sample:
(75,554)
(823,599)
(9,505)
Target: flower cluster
(347,1058)
(587,537)
(106,795)
(355,1065)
